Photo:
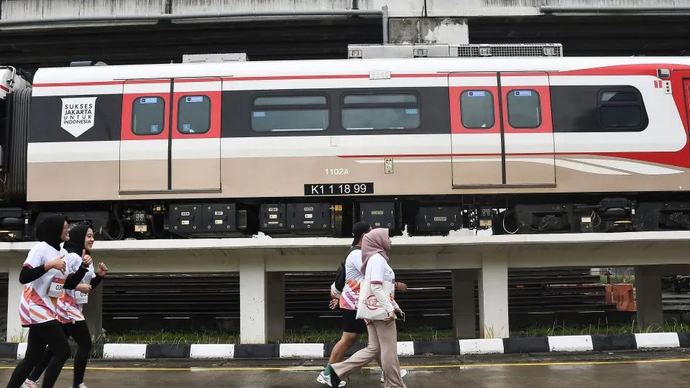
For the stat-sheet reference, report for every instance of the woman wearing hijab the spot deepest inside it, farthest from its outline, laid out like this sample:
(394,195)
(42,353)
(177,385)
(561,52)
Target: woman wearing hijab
(382,334)
(81,279)
(36,309)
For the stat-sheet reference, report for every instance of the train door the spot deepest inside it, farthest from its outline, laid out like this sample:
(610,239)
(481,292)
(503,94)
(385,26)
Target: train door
(196,134)
(170,136)
(145,136)
(501,130)
(686,90)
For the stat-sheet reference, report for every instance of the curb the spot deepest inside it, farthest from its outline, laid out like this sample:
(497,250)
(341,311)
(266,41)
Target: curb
(552,344)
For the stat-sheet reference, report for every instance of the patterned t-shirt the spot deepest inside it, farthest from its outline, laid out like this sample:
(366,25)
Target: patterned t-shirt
(70,303)
(36,305)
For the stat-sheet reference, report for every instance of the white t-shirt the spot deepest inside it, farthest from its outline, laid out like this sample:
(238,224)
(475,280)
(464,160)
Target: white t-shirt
(378,271)
(36,306)
(70,304)
(353,263)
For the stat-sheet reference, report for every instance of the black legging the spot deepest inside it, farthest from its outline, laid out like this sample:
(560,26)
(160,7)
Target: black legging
(40,335)
(80,332)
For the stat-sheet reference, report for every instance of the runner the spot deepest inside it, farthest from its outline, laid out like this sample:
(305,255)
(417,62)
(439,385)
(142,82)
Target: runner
(36,309)
(346,299)
(80,280)
(382,330)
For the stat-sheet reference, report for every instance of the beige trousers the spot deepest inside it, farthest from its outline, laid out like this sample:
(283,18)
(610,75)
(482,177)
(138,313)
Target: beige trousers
(383,337)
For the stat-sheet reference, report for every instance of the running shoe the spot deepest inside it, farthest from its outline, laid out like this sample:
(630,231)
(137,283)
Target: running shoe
(403,373)
(30,384)
(326,380)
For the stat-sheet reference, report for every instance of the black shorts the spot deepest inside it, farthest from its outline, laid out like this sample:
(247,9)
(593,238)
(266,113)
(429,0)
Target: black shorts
(351,324)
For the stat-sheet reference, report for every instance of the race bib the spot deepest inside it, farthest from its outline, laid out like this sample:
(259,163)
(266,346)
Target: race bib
(56,288)
(81,298)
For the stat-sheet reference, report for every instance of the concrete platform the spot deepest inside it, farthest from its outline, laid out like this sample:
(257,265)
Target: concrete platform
(494,346)
(629,369)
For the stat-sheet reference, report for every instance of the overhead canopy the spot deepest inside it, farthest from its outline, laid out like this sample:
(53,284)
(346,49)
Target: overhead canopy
(422,253)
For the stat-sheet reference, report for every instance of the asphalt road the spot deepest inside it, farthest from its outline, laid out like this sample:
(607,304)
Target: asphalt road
(631,370)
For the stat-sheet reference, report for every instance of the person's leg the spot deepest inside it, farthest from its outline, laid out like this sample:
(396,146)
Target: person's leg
(57,341)
(337,355)
(339,350)
(352,329)
(82,337)
(35,347)
(45,360)
(388,338)
(41,366)
(341,370)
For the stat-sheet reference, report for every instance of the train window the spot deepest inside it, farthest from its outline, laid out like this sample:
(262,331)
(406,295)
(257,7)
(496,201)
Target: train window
(597,108)
(380,111)
(524,109)
(193,114)
(148,115)
(477,109)
(290,113)
(619,109)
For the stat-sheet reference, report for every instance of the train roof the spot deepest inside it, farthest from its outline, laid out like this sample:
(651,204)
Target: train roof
(342,67)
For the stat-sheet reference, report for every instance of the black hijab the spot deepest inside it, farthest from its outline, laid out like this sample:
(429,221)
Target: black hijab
(50,229)
(76,239)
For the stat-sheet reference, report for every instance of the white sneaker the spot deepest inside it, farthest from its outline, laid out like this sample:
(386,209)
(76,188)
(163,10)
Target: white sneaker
(30,384)
(322,379)
(82,385)
(403,373)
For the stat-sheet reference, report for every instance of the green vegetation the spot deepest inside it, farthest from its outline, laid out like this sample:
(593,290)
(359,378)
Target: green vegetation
(617,279)
(421,334)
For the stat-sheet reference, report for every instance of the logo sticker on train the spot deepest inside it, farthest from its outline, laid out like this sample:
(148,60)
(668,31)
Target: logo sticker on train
(78,114)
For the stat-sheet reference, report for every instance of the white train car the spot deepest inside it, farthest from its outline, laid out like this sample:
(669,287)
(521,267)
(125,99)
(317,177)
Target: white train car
(308,147)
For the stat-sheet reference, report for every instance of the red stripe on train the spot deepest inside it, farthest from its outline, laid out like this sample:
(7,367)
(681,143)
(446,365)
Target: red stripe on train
(676,159)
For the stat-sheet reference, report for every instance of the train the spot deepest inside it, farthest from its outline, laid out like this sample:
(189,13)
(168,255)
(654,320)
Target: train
(422,146)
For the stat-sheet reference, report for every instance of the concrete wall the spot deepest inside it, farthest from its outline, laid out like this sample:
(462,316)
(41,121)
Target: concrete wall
(181,7)
(34,9)
(607,3)
(42,9)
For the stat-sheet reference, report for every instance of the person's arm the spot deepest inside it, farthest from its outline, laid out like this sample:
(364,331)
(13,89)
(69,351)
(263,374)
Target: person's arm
(335,297)
(100,273)
(96,281)
(35,265)
(377,266)
(74,279)
(28,274)
(335,294)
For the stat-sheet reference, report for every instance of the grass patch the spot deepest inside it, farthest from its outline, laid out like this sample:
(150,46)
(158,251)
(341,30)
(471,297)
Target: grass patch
(291,336)
(617,279)
(601,328)
(420,334)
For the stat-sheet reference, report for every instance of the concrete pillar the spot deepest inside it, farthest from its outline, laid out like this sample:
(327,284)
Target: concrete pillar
(428,30)
(493,297)
(649,301)
(15,332)
(464,314)
(93,311)
(275,301)
(253,304)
